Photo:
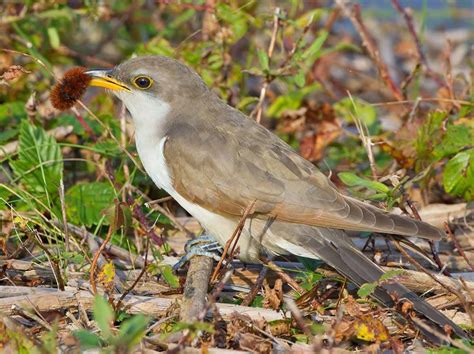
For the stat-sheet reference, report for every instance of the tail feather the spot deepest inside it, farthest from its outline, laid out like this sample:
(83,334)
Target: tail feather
(335,248)
(396,224)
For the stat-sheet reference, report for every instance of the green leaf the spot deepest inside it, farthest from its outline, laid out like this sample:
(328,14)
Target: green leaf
(169,276)
(10,111)
(53,36)
(40,162)
(237,20)
(366,289)
(429,135)
(133,330)
(104,316)
(87,202)
(108,148)
(456,138)
(7,135)
(352,180)
(458,175)
(313,52)
(4,195)
(292,100)
(355,107)
(300,79)
(264,60)
(88,340)
(390,274)
(246,101)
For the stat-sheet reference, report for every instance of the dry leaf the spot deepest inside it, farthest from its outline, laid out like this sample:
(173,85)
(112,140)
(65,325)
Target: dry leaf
(13,72)
(370,329)
(106,276)
(273,297)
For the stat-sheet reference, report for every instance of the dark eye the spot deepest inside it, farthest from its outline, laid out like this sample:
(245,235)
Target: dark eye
(142,82)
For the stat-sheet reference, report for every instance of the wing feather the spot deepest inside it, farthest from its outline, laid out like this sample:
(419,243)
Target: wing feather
(226,166)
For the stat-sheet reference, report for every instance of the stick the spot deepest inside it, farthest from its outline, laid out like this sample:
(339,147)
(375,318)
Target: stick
(235,235)
(110,232)
(52,299)
(457,246)
(368,42)
(263,92)
(195,288)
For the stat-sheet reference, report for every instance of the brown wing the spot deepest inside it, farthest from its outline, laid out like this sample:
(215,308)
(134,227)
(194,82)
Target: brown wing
(226,166)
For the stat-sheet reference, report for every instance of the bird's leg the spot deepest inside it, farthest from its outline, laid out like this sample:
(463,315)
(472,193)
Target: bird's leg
(204,245)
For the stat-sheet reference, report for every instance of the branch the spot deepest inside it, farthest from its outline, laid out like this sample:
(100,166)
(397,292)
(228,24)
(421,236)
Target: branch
(368,42)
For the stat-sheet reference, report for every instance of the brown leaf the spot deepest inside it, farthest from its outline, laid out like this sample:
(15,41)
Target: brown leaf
(343,329)
(13,72)
(280,328)
(254,343)
(352,307)
(319,125)
(406,307)
(273,297)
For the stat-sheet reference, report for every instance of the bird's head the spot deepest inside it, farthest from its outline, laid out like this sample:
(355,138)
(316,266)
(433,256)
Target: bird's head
(150,85)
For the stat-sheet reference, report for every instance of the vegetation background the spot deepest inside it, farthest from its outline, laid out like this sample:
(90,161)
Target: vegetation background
(377,94)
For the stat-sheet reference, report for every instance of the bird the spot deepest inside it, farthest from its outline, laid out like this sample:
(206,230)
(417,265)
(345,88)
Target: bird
(217,162)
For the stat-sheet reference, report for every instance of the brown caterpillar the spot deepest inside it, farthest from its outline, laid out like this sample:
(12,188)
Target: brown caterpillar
(70,88)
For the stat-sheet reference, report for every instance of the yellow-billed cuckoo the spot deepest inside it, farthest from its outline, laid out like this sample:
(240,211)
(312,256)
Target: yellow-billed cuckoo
(215,162)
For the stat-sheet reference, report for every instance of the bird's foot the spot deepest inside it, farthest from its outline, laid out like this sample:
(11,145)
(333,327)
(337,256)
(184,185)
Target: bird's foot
(203,245)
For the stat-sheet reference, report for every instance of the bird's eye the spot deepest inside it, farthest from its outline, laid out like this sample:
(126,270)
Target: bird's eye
(143,82)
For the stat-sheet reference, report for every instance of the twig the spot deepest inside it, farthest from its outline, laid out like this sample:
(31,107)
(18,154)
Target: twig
(295,311)
(141,217)
(263,92)
(365,137)
(114,250)
(282,274)
(368,42)
(235,236)
(450,289)
(430,242)
(445,338)
(84,124)
(134,284)
(457,245)
(256,287)
(19,311)
(63,214)
(110,232)
(411,29)
(54,264)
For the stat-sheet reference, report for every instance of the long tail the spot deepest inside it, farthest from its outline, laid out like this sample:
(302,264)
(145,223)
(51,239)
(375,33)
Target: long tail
(335,248)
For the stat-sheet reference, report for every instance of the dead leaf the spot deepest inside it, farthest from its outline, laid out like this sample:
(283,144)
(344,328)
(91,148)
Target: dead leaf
(106,276)
(352,307)
(406,307)
(319,125)
(13,72)
(280,328)
(370,329)
(343,329)
(273,297)
(254,343)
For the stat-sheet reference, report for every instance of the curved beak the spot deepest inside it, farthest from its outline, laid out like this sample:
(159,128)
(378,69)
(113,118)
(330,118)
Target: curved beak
(103,78)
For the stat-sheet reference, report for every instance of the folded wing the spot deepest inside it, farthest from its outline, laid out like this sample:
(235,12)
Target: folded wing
(226,167)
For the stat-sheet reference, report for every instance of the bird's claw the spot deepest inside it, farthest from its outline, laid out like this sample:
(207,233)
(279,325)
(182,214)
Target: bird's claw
(203,245)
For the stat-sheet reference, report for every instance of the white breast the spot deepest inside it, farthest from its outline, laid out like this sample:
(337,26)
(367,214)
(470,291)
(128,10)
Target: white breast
(149,115)
(153,160)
